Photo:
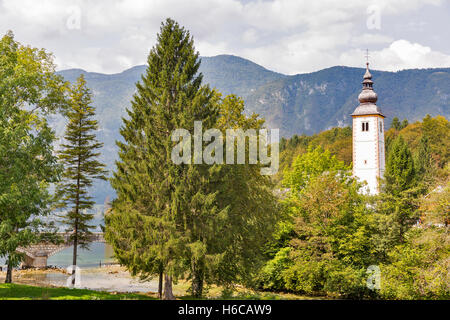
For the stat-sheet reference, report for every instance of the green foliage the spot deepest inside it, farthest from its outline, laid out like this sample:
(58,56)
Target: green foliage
(404,124)
(251,207)
(415,184)
(434,206)
(281,237)
(271,276)
(330,246)
(331,277)
(395,216)
(308,166)
(305,276)
(29,90)
(399,173)
(79,155)
(397,203)
(167,216)
(419,268)
(158,202)
(437,130)
(395,124)
(414,256)
(338,141)
(423,163)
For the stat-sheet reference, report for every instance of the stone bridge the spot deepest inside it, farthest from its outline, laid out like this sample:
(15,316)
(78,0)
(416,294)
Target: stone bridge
(37,255)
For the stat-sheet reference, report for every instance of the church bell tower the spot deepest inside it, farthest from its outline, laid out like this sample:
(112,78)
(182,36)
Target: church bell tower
(368,137)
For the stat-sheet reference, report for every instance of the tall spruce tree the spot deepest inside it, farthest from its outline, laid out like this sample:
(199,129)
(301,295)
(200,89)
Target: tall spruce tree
(423,161)
(79,157)
(397,203)
(150,217)
(400,171)
(202,221)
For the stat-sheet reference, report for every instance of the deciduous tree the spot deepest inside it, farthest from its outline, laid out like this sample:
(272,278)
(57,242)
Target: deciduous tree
(29,90)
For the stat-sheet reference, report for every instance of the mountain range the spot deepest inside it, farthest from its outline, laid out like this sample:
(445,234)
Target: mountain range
(296,104)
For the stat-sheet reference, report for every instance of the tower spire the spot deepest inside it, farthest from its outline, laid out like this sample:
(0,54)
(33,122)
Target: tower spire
(367,75)
(368,97)
(367,94)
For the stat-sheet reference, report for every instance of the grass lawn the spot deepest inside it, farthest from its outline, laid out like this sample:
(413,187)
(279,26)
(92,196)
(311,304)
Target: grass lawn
(181,291)
(24,292)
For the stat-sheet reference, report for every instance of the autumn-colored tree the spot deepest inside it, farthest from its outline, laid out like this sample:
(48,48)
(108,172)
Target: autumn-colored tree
(435,204)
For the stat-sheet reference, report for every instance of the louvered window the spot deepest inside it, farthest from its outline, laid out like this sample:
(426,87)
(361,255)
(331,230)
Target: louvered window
(365,126)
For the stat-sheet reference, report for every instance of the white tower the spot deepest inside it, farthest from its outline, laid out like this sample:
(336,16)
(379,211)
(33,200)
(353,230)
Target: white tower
(368,137)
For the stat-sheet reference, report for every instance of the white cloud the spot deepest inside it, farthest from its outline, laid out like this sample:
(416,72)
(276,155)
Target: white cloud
(400,54)
(371,39)
(289,36)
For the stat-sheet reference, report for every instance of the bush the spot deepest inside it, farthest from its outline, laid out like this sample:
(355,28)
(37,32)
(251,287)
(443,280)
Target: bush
(419,268)
(345,281)
(271,276)
(306,277)
(326,277)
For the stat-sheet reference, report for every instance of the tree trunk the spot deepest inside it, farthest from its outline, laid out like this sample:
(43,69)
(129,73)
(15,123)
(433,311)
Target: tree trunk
(77,208)
(168,295)
(9,272)
(75,247)
(160,285)
(198,275)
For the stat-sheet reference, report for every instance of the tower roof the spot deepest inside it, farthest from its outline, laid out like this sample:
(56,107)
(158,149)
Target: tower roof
(367,98)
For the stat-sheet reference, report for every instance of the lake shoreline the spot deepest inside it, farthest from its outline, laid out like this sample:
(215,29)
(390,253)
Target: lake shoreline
(116,279)
(109,278)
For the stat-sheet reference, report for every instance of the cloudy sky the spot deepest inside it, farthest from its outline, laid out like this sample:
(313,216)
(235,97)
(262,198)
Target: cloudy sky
(288,36)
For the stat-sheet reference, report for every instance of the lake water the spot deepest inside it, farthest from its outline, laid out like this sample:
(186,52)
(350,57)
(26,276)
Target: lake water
(91,277)
(98,253)
(104,279)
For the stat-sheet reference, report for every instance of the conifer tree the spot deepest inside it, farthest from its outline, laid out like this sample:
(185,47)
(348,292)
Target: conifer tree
(397,203)
(186,219)
(400,172)
(404,124)
(79,156)
(423,163)
(396,123)
(153,212)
